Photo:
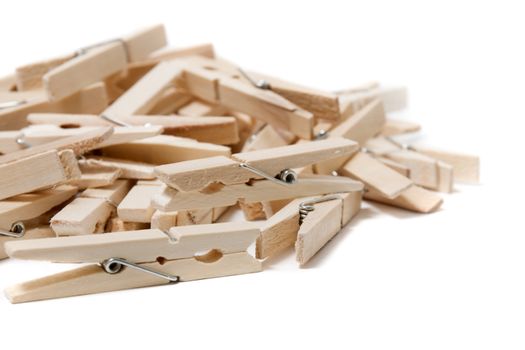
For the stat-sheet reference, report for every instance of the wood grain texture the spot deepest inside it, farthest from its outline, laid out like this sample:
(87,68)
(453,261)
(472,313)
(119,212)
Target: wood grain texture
(36,172)
(92,99)
(466,167)
(375,175)
(142,96)
(256,191)
(79,144)
(193,175)
(92,279)
(164,149)
(136,206)
(83,70)
(415,199)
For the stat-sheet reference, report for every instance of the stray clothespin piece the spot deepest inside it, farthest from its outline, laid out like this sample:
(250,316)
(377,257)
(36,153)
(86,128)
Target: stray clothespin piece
(133,259)
(309,223)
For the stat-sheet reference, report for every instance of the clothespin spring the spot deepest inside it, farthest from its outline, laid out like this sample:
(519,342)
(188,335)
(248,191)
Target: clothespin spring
(285,177)
(17,230)
(308,206)
(115,265)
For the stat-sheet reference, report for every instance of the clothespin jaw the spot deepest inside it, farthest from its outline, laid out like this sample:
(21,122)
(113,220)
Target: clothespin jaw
(249,176)
(136,259)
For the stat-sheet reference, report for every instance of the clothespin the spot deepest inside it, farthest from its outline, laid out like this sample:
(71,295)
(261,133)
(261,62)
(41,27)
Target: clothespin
(17,212)
(66,75)
(220,82)
(13,112)
(134,259)
(218,130)
(307,223)
(251,176)
(424,170)
(394,98)
(34,135)
(363,125)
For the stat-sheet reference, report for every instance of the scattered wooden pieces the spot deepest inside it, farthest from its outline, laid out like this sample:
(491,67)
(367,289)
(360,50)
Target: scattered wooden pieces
(161,142)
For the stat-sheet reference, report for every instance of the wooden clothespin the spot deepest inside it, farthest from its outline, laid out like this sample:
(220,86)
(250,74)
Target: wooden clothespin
(365,124)
(307,223)
(133,259)
(66,75)
(34,135)
(424,170)
(16,212)
(219,130)
(92,99)
(222,181)
(220,82)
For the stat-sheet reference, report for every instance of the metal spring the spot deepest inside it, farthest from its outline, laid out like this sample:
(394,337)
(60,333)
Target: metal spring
(115,265)
(308,206)
(285,177)
(17,230)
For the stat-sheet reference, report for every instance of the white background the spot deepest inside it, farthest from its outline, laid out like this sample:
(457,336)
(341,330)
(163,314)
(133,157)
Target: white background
(392,280)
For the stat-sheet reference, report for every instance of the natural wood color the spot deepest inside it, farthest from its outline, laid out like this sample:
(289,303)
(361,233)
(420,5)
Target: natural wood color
(40,231)
(193,175)
(375,175)
(90,210)
(280,231)
(195,217)
(218,130)
(323,223)
(393,98)
(424,171)
(219,82)
(252,211)
(143,96)
(256,191)
(116,224)
(95,175)
(92,99)
(139,246)
(198,108)
(92,279)
(128,169)
(168,54)
(164,220)
(79,144)
(394,127)
(81,216)
(415,199)
(136,206)
(29,77)
(322,104)
(172,100)
(164,149)
(267,137)
(319,226)
(466,167)
(142,43)
(365,124)
(400,168)
(30,205)
(37,172)
(91,67)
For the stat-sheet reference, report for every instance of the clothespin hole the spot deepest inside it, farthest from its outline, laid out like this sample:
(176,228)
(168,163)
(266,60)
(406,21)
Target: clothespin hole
(209,256)
(69,126)
(161,260)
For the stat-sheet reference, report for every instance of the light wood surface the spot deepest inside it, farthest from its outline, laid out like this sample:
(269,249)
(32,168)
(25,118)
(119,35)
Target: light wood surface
(257,191)
(83,70)
(136,206)
(38,171)
(193,175)
(415,199)
(375,175)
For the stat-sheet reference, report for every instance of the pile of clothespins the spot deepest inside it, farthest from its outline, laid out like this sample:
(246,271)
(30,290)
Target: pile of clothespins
(124,155)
